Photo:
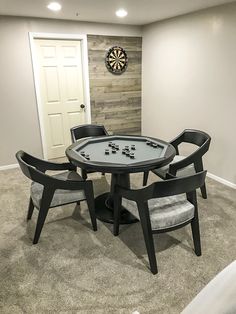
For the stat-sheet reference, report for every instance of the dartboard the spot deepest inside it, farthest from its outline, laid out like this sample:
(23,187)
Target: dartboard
(116,60)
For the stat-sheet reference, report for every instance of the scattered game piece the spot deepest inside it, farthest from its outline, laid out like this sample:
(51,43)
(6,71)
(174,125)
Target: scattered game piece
(82,153)
(133,147)
(127,153)
(87,157)
(107,151)
(123,151)
(148,143)
(113,150)
(127,147)
(110,144)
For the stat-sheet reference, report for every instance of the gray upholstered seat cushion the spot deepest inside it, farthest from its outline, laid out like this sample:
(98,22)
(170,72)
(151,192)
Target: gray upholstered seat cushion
(165,212)
(187,171)
(61,197)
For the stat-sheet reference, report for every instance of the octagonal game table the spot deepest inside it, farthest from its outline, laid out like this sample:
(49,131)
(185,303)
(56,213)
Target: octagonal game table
(119,155)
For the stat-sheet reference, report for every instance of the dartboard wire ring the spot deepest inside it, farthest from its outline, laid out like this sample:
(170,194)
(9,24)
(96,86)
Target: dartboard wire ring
(116,60)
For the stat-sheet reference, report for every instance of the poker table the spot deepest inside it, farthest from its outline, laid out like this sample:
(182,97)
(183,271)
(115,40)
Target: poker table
(119,155)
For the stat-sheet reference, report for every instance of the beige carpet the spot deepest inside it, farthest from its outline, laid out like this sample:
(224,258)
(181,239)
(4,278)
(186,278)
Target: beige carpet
(75,270)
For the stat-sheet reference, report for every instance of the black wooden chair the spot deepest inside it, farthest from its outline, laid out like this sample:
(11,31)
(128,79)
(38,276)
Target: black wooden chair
(52,191)
(162,207)
(87,130)
(184,166)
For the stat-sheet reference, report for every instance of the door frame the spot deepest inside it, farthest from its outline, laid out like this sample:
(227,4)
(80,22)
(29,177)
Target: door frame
(85,69)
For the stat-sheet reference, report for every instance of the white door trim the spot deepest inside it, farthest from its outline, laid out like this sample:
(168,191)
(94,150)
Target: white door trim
(83,39)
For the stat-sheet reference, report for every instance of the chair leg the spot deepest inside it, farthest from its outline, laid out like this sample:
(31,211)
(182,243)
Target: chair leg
(41,219)
(117,207)
(148,237)
(30,209)
(196,236)
(204,192)
(198,168)
(43,211)
(84,174)
(91,206)
(145,177)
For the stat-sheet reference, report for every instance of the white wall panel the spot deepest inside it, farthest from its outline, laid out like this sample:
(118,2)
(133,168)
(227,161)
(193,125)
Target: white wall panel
(52,90)
(56,128)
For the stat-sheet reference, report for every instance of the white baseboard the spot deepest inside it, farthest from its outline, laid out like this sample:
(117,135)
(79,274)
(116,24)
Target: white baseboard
(221,180)
(9,167)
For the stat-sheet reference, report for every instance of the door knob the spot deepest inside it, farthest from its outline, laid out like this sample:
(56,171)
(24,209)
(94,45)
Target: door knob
(82,106)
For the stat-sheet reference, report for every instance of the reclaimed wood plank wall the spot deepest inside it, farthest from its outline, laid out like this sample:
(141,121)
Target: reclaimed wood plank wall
(115,99)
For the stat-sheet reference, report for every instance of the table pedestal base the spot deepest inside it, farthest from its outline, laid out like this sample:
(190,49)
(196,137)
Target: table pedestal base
(104,211)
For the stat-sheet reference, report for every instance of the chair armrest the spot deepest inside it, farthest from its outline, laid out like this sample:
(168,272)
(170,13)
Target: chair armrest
(47,165)
(126,192)
(174,167)
(137,195)
(191,159)
(72,185)
(29,161)
(173,186)
(56,183)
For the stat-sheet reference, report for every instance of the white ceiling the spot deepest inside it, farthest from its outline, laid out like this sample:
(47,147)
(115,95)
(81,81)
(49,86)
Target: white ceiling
(140,12)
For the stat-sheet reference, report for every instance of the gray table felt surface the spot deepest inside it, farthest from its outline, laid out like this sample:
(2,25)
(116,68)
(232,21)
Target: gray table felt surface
(143,152)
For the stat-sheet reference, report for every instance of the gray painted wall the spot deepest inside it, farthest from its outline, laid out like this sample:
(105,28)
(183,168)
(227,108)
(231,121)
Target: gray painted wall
(19,124)
(189,75)
(189,81)
(115,99)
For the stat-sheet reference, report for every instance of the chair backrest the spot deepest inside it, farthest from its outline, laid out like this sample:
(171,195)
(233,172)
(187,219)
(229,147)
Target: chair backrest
(32,167)
(164,188)
(35,169)
(178,185)
(87,130)
(196,137)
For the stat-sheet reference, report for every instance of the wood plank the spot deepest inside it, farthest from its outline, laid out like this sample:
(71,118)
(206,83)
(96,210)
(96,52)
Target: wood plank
(115,99)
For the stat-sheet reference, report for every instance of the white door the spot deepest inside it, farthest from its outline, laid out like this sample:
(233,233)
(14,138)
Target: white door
(61,91)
